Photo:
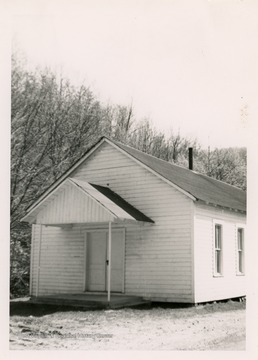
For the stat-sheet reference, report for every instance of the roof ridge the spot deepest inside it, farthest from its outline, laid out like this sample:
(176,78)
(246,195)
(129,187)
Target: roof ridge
(155,157)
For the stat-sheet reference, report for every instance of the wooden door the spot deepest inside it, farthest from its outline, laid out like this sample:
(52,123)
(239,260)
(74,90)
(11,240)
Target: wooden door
(117,261)
(96,261)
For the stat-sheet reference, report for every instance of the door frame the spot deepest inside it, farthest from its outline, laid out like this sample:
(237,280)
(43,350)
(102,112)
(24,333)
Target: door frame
(94,230)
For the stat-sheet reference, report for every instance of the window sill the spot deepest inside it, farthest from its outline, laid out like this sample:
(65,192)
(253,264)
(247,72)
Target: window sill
(218,275)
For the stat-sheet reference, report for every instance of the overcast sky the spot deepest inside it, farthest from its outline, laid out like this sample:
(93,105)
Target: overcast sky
(187,65)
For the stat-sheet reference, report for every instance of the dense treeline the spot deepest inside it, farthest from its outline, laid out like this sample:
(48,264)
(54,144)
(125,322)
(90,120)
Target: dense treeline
(54,123)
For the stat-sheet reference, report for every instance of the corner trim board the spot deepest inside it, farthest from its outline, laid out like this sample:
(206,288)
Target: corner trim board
(39,256)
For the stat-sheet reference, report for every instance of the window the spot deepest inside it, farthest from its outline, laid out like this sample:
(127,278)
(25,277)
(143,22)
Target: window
(218,250)
(240,250)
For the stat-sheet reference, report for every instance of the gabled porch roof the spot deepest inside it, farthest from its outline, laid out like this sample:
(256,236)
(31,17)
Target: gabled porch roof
(77,201)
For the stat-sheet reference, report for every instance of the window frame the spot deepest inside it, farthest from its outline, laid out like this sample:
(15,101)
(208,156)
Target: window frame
(217,223)
(243,228)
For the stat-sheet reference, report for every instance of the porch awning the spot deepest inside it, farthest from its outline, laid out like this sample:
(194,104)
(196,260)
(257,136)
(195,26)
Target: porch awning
(77,201)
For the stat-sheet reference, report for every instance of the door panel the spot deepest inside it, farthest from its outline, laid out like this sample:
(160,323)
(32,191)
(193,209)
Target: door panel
(96,261)
(96,271)
(117,261)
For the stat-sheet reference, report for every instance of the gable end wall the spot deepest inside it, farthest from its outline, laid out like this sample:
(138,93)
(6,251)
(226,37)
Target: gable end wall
(158,257)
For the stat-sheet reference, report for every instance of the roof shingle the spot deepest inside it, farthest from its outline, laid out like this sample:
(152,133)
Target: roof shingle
(200,186)
(120,202)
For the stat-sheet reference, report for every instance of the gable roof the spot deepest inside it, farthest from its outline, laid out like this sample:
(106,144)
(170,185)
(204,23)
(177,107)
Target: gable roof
(111,204)
(196,186)
(121,203)
(111,201)
(200,186)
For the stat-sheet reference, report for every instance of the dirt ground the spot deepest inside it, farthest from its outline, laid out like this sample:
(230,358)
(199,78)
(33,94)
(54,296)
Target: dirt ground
(217,326)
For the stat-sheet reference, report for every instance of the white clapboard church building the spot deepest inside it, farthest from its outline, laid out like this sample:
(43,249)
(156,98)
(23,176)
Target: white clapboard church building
(122,221)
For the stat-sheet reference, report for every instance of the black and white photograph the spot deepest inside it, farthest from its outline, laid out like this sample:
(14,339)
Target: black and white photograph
(132,130)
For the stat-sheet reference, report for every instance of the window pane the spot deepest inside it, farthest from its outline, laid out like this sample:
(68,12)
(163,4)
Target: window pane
(217,236)
(217,261)
(240,265)
(240,238)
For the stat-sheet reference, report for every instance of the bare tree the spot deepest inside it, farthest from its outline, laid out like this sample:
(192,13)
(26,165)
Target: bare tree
(228,165)
(52,125)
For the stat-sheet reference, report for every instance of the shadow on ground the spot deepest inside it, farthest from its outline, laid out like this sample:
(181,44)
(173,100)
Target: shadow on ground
(26,308)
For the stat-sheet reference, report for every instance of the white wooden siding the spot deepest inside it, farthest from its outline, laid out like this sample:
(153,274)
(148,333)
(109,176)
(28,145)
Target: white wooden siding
(154,253)
(207,286)
(34,260)
(158,257)
(62,259)
(32,256)
(69,205)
